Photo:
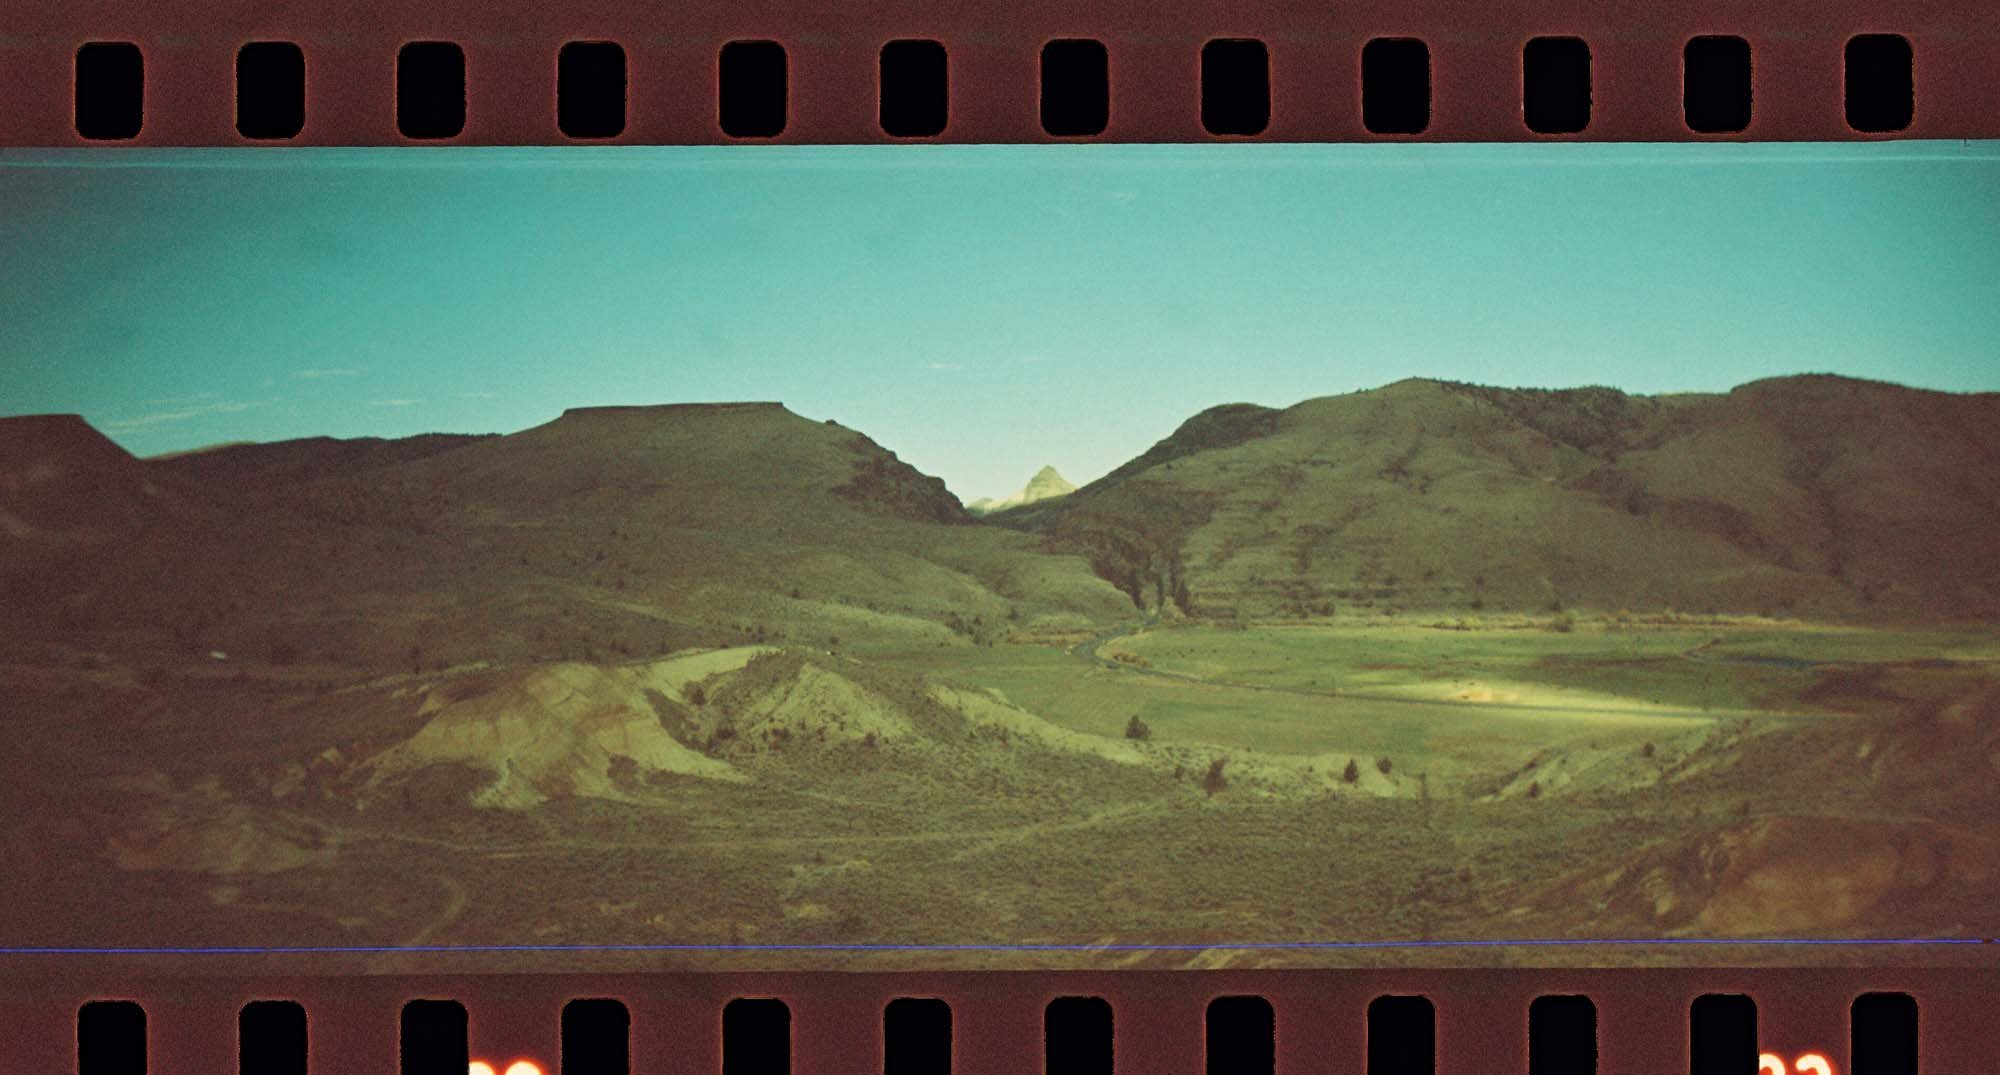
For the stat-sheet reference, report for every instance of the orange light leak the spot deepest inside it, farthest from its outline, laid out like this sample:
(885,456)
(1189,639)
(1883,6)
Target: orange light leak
(1803,1064)
(479,1067)
(529,1067)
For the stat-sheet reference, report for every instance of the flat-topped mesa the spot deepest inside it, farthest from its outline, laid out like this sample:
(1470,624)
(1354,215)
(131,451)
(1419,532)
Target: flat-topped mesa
(31,438)
(674,410)
(63,482)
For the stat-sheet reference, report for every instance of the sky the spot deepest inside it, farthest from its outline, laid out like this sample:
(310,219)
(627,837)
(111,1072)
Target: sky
(980,310)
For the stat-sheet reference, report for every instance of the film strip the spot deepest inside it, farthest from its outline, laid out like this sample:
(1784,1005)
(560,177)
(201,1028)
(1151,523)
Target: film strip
(291,902)
(1403,1021)
(715,74)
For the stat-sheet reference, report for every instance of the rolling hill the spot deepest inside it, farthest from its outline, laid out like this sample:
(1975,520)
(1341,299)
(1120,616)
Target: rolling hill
(607,532)
(1814,495)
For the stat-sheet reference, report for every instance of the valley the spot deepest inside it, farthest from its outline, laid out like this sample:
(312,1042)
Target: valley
(1427,663)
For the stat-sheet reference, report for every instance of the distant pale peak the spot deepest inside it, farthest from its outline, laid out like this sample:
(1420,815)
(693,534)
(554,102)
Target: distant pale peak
(1046,484)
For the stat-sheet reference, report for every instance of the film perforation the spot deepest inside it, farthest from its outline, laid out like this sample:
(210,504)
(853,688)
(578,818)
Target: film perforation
(752,90)
(1402,1035)
(915,100)
(1241,1036)
(1079,1036)
(756,1036)
(1562,1035)
(1236,1030)
(1235,87)
(1556,85)
(1076,87)
(1881,93)
(270,90)
(1718,97)
(591,89)
(430,90)
(272,1038)
(111,1038)
(1722,1033)
(110,90)
(916,1036)
(1396,85)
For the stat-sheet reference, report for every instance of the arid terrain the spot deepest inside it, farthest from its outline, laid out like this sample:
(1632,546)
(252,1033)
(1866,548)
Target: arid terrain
(1429,662)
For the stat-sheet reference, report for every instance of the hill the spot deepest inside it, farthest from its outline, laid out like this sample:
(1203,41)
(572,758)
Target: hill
(62,483)
(1047,484)
(1813,495)
(608,532)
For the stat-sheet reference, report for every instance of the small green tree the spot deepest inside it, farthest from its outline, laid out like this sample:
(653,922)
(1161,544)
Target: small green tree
(1136,728)
(1352,773)
(1382,766)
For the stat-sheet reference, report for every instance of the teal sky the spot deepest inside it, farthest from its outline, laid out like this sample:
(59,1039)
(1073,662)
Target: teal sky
(979,310)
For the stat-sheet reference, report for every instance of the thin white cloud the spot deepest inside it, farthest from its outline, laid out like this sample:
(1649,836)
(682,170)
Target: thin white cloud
(179,401)
(394,402)
(181,414)
(317,374)
(479,395)
(944,365)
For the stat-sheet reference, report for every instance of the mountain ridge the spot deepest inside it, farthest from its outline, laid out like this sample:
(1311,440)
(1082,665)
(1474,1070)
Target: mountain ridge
(1786,494)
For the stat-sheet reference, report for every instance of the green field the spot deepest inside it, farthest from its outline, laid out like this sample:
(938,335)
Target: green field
(1509,781)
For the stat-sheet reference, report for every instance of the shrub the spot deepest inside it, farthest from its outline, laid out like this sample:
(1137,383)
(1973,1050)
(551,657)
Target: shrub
(1136,728)
(1535,789)
(695,695)
(1647,750)
(1382,766)
(623,771)
(1352,773)
(1563,624)
(1478,603)
(1214,781)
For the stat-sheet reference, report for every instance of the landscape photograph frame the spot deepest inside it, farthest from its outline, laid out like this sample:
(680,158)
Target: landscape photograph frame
(1322,654)
(1646,1003)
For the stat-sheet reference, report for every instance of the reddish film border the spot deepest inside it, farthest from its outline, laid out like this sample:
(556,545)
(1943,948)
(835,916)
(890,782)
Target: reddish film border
(1155,55)
(836,1018)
